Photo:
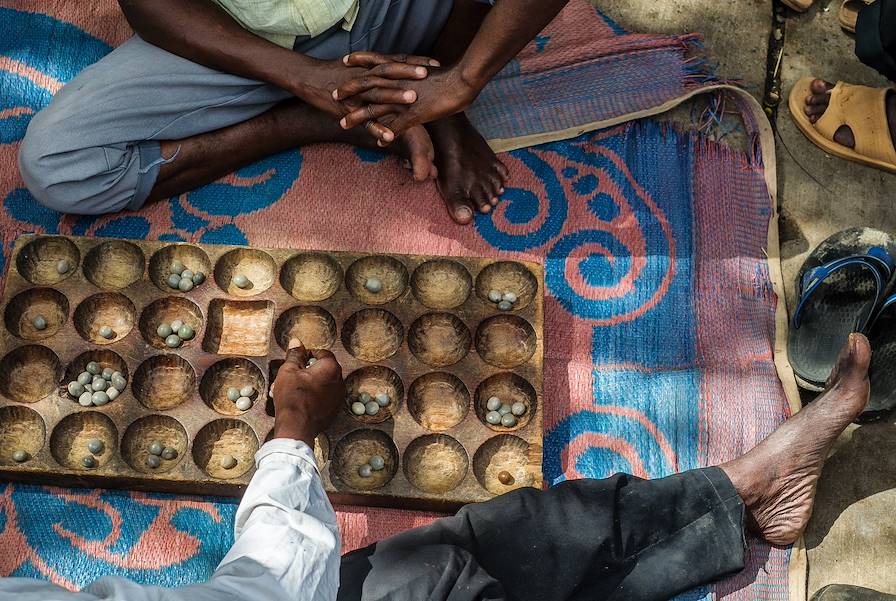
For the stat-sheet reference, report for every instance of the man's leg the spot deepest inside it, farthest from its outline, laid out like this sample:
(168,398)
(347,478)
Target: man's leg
(620,538)
(143,124)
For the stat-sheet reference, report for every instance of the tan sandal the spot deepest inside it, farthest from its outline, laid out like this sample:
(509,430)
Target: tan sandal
(862,109)
(799,6)
(849,13)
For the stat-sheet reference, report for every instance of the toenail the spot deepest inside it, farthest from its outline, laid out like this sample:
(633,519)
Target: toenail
(464,213)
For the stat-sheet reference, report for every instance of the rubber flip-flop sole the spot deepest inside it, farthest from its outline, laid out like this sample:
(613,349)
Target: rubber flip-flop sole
(883,369)
(832,313)
(797,103)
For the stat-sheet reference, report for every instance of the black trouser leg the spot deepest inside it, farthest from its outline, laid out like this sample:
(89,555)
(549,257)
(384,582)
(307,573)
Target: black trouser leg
(620,538)
(876,37)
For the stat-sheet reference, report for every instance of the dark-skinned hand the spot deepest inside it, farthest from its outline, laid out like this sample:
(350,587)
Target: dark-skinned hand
(306,399)
(441,94)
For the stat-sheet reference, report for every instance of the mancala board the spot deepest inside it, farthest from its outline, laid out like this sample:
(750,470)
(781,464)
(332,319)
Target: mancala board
(430,338)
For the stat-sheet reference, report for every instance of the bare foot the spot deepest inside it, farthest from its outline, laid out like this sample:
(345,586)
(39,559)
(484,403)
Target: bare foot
(778,478)
(470,176)
(817,103)
(414,146)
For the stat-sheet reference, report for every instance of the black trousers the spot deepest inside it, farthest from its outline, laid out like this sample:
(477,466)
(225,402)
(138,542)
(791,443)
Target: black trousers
(876,37)
(594,540)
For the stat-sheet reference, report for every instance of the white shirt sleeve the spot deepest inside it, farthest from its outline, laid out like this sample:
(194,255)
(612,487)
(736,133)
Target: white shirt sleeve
(286,544)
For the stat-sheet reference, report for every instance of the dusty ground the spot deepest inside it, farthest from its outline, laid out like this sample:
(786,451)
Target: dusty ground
(853,535)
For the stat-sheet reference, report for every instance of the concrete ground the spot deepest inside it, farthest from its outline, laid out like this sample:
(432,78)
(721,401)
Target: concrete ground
(852,537)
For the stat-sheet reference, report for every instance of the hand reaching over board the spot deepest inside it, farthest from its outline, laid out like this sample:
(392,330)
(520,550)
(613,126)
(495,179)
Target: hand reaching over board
(308,392)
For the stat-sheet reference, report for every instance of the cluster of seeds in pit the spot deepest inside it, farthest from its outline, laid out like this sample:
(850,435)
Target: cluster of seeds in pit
(158,451)
(182,278)
(503,414)
(175,333)
(373,285)
(367,404)
(242,397)
(504,300)
(96,385)
(95,447)
(374,464)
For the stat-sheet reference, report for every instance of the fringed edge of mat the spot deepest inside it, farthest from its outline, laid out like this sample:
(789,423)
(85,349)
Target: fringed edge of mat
(764,152)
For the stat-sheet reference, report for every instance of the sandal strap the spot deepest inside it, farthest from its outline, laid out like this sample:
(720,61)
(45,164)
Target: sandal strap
(888,305)
(877,260)
(864,111)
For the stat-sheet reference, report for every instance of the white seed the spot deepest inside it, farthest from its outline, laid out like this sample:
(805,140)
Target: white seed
(112,393)
(247,391)
(86,399)
(382,399)
(494,296)
(40,322)
(88,388)
(187,274)
(240,281)
(377,463)
(365,470)
(244,403)
(518,409)
(510,297)
(99,398)
(175,325)
(358,408)
(20,456)
(505,305)
(62,266)
(107,332)
(228,462)
(373,285)
(493,404)
(185,285)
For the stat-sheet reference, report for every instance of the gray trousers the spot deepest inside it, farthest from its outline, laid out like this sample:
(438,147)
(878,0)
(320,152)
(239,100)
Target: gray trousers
(95,149)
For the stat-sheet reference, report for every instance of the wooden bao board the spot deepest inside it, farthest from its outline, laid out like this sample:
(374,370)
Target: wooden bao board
(430,339)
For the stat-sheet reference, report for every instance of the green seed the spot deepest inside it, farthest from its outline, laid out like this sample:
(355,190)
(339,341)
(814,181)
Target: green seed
(93,368)
(185,285)
(233,394)
(504,409)
(119,381)
(173,341)
(494,296)
(177,267)
(84,378)
(518,409)
(40,322)
(240,281)
(382,399)
(510,297)
(75,389)
(187,274)
(86,399)
(358,408)
(198,278)
(377,463)
(164,330)
(508,421)
(106,332)
(99,398)
(505,306)
(372,408)
(153,462)
(62,266)
(185,332)
(20,456)
(493,417)
(373,285)
(365,397)
(107,374)
(95,446)
(228,462)
(365,470)
(493,404)
(174,281)
(156,448)
(88,462)
(99,384)
(169,453)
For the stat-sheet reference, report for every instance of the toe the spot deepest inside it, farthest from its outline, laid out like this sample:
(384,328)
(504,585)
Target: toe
(481,198)
(460,210)
(503,171)
(820,86)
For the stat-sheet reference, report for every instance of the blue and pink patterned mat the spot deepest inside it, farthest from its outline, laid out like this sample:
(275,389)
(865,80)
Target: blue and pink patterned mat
(660,316)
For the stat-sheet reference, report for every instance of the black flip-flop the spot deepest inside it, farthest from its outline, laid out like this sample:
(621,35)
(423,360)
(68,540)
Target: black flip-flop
(840,287)
(883,362)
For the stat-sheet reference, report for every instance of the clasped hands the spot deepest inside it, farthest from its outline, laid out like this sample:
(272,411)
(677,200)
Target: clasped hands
(390,94)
